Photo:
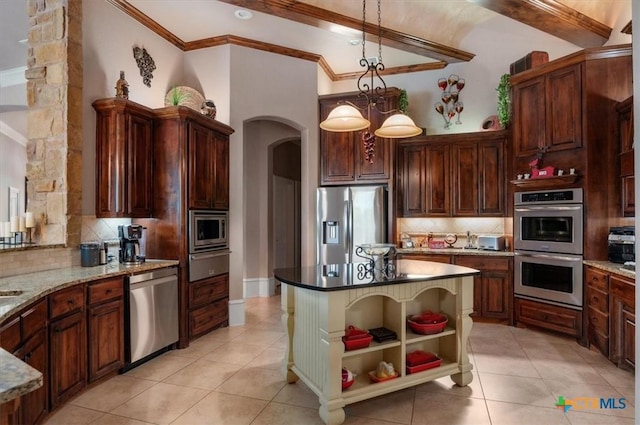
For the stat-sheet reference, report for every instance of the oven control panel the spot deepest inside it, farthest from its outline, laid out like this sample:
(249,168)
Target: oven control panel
(568,196)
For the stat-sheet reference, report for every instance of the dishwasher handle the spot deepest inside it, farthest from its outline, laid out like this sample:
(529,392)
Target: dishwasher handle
(153,282)
(155,274)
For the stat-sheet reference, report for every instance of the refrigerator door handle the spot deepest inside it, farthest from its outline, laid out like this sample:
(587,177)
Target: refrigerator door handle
(347,230)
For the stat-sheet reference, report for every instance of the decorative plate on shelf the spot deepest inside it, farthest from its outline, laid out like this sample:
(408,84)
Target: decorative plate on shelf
(184,96)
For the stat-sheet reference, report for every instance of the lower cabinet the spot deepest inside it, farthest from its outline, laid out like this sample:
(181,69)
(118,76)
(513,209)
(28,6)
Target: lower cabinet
(559,319)
(68,340)
(25,336)
(105,322)
(493,289)
(623,321)
(597,308)
(208,304)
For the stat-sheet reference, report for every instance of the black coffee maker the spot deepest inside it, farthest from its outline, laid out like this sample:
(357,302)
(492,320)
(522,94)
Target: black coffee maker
(132,243)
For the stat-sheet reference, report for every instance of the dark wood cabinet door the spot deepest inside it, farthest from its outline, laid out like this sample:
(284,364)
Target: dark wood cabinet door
(438,201)
(139,161)
(465,179)
(202,157)
(563,120)
(412,192)
(35,352)
(68,365)
(124,137)
(106,338)
(221,188)
(529,110)
(622,306)
(491,179)
(342,155)
(628,196)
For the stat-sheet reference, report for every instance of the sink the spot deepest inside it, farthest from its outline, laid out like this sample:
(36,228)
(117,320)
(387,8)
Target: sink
(7,297)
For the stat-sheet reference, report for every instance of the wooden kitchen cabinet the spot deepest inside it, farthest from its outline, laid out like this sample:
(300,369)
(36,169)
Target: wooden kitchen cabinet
(549,112)
(342,155)
(493,288)
(208,168)
(208,304)
(452,175)
(25,336)
(597,308)
(559,319)
(627,169)
(105,324)
(68,342)
(623,321)
(124,143)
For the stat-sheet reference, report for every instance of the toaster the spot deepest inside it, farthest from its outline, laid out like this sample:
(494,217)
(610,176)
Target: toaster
(492,243)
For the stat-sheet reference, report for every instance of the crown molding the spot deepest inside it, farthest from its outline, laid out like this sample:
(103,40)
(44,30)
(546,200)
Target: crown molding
(13,77)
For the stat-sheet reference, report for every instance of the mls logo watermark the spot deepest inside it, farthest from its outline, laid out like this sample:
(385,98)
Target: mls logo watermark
(590,403)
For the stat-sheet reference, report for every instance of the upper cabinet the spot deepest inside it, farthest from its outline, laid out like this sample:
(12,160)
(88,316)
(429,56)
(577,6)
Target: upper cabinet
(627,174)
(124,140)
(548,108)
(208,168)
(186,138)
(452,175)
(342,155)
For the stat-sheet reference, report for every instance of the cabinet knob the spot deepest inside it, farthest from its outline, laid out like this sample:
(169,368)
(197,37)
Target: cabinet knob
(108,291)
(71,302)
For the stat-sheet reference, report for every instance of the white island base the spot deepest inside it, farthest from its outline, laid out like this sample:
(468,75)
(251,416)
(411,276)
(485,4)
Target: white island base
(315,322)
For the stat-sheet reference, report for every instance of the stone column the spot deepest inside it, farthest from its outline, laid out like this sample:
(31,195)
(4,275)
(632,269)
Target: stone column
(54,120)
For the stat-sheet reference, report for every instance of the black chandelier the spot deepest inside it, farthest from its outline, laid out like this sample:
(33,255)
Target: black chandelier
(371,86)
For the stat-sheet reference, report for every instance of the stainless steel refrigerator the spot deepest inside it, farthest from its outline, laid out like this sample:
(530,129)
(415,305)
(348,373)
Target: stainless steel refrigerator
(348,217)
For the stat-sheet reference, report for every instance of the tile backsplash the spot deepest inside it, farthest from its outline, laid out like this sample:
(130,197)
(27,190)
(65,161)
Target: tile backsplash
(419,228)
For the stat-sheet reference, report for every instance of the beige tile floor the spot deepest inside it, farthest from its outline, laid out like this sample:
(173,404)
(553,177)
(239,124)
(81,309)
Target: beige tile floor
(232,377)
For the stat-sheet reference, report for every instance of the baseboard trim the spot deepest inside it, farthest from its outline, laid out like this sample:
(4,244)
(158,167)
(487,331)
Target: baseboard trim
(260,287)
(236,313)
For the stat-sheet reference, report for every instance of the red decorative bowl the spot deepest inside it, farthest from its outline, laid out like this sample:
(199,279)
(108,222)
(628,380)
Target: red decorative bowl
(355,338)
(348,378)
(427,323)
(430,365)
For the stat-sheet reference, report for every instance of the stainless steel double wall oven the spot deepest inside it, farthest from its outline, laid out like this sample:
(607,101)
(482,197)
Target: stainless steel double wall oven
(548,246)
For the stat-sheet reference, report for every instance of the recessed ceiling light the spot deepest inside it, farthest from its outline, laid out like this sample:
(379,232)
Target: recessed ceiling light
(243,14)
(355,42)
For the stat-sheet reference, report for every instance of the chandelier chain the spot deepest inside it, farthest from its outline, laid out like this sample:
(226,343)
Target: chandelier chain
(379,34)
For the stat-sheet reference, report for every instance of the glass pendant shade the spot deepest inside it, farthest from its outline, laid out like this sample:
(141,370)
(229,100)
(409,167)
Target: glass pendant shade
(344,118)
(398,126)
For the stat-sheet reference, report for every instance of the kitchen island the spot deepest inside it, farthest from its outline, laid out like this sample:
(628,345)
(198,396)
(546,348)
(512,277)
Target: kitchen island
(320,302)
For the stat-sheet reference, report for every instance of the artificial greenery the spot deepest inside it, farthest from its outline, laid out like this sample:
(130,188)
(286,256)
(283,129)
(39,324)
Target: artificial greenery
(177,96)
(403,102)
(504,92)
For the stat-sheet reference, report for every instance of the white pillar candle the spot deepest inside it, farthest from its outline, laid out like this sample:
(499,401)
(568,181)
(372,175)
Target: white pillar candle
(29,220)
(14,224)
(21,224)
(7,229)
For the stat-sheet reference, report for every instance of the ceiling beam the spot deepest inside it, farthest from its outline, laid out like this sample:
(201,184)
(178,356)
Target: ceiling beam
(554,18)
(311,15)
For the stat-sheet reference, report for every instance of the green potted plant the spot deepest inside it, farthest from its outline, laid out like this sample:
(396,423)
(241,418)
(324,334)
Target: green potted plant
(177,96)
(403,102)
(504,93)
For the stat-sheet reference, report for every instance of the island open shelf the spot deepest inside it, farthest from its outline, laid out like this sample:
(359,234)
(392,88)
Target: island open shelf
(317,309)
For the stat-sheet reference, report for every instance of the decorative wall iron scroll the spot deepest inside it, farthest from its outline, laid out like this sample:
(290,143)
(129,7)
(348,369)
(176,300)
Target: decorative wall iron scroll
(145,63)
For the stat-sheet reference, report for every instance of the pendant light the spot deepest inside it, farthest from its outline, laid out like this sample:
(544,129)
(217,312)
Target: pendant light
(347,117)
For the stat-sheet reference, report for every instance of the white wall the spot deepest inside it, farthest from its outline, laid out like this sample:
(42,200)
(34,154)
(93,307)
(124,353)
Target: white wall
(284,89)
(108,40)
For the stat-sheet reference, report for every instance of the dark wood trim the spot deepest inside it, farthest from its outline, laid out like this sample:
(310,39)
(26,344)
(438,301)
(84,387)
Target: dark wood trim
(321,18)
(395,70)
(554,18)
(148,22)
(572,59)
(626,29)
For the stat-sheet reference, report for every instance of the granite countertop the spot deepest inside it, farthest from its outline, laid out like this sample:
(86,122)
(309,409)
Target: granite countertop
(339,277)
(16,377)
(610,267)
(454,251)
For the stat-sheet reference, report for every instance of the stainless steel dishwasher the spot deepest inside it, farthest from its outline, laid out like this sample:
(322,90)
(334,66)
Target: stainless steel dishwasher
(152,312)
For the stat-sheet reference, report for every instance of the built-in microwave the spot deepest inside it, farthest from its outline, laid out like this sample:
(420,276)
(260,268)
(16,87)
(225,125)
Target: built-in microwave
(207,230)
